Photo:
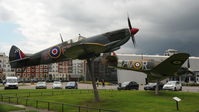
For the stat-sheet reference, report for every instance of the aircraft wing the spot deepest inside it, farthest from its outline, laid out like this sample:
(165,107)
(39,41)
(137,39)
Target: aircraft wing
(84,50)
(171,65)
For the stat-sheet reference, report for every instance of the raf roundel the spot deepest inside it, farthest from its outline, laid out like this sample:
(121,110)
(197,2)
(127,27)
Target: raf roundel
(177,62)
(55,52)
(137,65)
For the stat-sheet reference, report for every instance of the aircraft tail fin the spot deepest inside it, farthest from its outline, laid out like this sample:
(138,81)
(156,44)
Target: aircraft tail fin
(16,54)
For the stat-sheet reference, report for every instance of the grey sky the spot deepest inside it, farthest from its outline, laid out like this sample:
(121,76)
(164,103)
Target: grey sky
(163,24)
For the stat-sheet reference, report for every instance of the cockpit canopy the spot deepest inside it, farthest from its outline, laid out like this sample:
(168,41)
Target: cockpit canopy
(77,39)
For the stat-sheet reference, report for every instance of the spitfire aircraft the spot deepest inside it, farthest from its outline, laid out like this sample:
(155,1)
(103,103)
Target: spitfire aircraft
(84,48)
(155,70)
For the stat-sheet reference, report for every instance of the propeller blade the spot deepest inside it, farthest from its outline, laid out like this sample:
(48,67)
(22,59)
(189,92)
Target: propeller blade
(133,31)
(129,23)
(133,40)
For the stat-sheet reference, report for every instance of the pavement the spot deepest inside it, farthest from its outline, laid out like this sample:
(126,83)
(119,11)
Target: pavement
(26,108)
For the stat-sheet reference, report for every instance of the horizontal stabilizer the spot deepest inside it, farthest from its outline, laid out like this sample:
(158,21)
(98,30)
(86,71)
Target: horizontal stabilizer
(19,63)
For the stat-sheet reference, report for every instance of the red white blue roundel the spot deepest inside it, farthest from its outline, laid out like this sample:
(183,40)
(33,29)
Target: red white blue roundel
(55,52)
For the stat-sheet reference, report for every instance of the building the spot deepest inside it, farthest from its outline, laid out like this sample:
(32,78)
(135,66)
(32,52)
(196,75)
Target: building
(127,75)
(71,70)
(66,70)
(102,71)
(77,70)
(170,52)
(33,73)
(5,68)
(60,71)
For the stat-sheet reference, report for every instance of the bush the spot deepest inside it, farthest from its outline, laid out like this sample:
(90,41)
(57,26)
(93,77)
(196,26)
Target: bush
(190,84)
(90,82)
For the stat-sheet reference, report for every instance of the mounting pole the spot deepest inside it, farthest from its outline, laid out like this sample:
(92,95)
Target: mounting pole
(90,72)
(157,87)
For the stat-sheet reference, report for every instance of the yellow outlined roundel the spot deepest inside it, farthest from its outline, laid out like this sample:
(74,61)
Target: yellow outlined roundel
(54,52)
(137,65)
(177,62)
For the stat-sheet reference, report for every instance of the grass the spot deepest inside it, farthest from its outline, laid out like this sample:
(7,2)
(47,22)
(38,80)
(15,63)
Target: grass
(124,101)
(7,108)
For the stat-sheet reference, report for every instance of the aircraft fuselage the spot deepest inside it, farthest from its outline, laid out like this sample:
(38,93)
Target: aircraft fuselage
(82,49)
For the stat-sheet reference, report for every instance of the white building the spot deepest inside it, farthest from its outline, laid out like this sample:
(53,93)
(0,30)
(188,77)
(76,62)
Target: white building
(5,68)
(54,73)
(78,69)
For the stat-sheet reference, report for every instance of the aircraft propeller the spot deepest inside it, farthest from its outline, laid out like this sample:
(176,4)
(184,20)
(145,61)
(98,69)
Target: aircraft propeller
(133,31)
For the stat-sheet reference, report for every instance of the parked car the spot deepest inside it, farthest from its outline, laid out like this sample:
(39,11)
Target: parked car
(152,86)
(173,85)
(11,83)
(57,85)
(128,85)
(71,85)
(41,85)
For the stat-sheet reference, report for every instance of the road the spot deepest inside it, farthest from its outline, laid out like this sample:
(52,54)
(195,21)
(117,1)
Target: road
(49,86)
(89,86)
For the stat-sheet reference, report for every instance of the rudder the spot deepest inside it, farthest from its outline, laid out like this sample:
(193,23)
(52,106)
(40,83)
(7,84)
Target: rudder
(15,54)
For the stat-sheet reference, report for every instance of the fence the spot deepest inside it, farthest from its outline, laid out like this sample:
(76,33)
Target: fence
(61,107)
(52,93)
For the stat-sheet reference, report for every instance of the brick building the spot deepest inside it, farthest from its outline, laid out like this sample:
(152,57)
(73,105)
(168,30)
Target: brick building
(66,70)
(35,73)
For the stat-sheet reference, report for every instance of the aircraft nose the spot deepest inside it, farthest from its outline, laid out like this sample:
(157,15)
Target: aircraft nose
(134,31)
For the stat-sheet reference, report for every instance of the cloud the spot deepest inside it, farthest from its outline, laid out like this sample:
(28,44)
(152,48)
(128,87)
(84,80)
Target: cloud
(4,46)
(163,24)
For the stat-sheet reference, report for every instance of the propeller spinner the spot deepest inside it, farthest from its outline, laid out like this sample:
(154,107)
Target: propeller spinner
(133,31)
